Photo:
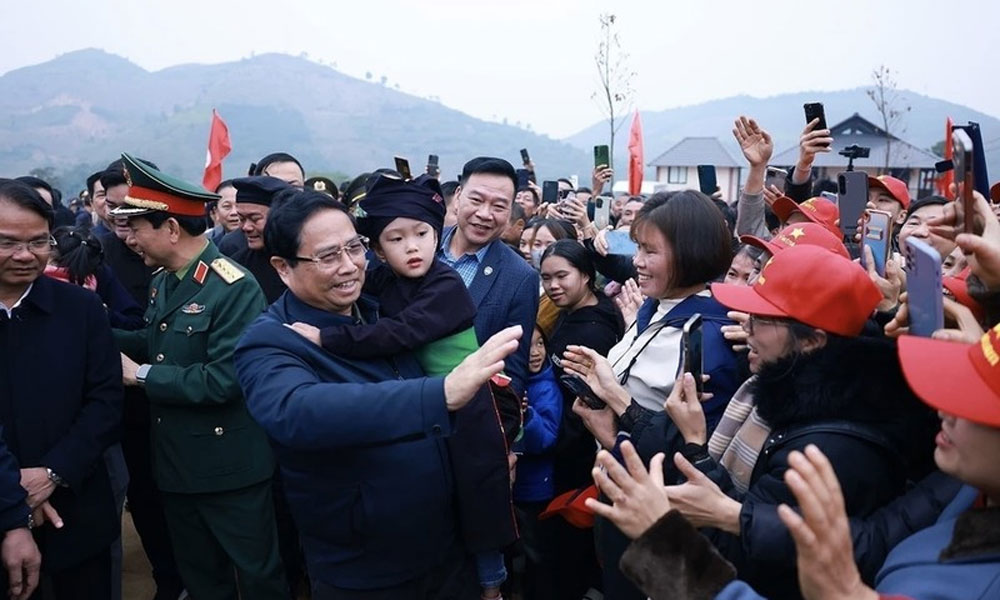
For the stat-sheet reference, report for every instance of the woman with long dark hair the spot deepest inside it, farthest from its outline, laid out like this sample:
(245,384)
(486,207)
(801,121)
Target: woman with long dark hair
(78,258)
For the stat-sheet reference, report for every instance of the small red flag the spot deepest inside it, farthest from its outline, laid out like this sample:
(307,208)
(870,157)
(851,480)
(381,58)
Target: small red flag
(635,162)
(944,180)
(218,148)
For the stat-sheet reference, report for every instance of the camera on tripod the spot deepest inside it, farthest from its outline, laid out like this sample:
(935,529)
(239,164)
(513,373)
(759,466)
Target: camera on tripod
(854,151)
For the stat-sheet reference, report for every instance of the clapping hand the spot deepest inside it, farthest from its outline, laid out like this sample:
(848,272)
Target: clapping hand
(637,495)
(824,553)
(629,300)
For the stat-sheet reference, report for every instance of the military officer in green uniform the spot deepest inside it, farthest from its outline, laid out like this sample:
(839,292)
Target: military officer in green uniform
(211,461)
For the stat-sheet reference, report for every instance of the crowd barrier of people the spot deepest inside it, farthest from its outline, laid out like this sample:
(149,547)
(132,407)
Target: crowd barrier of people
(501,387)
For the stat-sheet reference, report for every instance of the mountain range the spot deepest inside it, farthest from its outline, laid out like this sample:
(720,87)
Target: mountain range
(72,115)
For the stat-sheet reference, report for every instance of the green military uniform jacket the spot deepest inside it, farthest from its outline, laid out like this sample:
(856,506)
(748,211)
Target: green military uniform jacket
(203,438)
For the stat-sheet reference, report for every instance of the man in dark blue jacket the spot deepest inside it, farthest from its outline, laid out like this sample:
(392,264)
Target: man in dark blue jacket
(58,417)
(502,284)
(359,442)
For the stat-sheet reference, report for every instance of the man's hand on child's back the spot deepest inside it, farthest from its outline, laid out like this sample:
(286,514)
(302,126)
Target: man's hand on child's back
(306,330)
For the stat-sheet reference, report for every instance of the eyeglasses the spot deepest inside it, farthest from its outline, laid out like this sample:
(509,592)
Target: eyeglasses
(354,249)
(754,320)
(38,246)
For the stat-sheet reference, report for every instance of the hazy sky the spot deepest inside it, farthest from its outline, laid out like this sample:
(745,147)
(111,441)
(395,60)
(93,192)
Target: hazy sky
(533,61)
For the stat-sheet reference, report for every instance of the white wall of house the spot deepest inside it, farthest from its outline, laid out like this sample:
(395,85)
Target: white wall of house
(671,179)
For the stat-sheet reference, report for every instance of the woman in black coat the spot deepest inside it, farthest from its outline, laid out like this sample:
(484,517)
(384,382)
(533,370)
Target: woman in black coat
(587,317)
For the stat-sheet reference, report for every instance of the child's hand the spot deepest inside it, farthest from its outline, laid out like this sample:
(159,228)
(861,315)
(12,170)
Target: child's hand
(307,331)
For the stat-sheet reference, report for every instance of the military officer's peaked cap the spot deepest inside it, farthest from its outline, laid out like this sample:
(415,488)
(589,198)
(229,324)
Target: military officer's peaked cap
(150,190)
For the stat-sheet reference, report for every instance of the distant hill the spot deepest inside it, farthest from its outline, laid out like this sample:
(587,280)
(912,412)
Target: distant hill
(783,118)
(79,111)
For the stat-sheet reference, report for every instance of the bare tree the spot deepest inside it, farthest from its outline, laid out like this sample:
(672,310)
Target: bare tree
(891,106)
(615,94)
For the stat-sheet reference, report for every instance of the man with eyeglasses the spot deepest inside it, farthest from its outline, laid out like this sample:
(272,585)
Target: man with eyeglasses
(253,201)
(211,461)
(360,442)
(57,421)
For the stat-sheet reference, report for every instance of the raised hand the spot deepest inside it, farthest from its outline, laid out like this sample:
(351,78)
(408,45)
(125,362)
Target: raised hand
(824,553)
(756,143)
(629,301)
(637,496)
(812,142)
(685,410)
(472,373)
(596,371)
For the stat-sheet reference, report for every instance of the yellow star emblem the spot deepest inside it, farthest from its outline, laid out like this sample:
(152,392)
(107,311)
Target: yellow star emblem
(797,233)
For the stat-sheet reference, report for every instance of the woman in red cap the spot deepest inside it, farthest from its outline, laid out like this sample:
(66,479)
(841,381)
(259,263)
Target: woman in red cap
(815,382)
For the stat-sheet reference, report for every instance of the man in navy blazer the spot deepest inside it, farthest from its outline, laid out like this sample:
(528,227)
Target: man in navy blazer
(502,284)
(360,443)
(60,400)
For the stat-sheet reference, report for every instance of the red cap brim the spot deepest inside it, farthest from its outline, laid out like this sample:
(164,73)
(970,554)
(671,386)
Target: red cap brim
(942,375)
(757,242)
(744,298)
(783,208)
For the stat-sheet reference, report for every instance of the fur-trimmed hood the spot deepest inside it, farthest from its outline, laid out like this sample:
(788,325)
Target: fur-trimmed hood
(849,379)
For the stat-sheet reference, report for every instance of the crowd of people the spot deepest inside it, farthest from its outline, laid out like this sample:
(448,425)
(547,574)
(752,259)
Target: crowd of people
(403,388)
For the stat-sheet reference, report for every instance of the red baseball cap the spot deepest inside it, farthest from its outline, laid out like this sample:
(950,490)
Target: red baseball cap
(572,507)
(818,210)
(958,287)
(811,285)
(809,234)
(896,188)
(958,379)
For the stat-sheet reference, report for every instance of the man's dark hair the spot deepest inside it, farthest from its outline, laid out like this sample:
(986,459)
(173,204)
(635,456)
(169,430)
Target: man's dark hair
(727,212)
(260,166)
(577,256)
(771,219)
(534,194)
(584,190)
(223,185)
(289,212)
(193,226)
(696,231)
(488,165)
(925,201)
(111,178)
(91,180)
(38,182)
(448,191)
(824,185)
(566,181)
(516,213)
(25,196)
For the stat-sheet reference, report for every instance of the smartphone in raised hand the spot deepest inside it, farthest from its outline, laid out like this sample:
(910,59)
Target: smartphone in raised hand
(525,159)
(925,298)
(550,192)
(814,110)
(876,233)
(403,167)
(852,194)
(602,211)
(693,359)
(707,182)
(620,243)
(523,177)
(964,159)
(602,156)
